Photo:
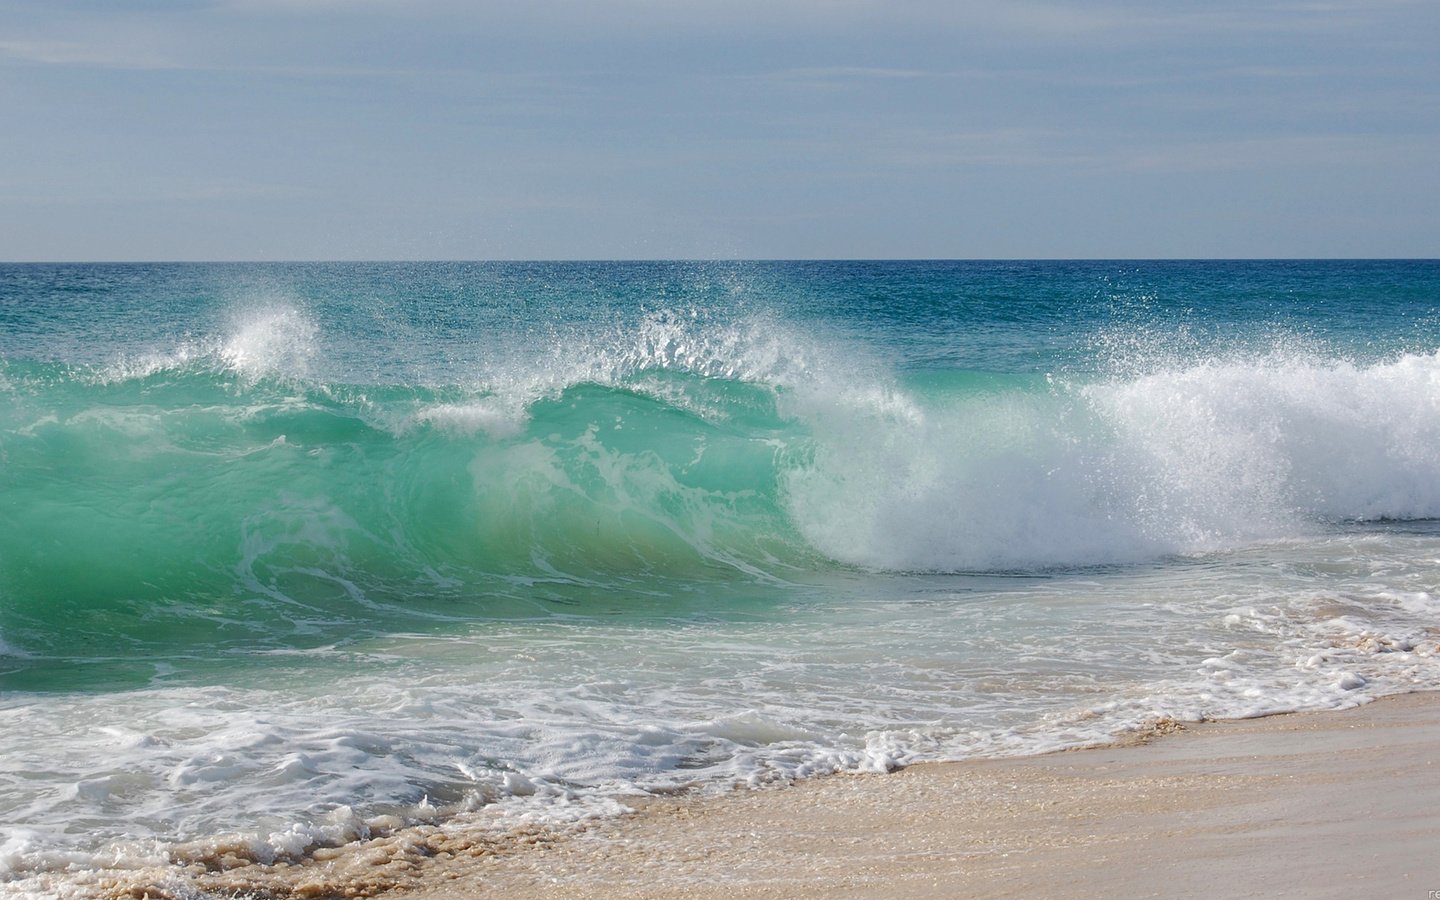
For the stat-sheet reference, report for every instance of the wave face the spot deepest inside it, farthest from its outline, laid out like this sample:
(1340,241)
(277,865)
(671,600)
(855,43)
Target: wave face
(288,478)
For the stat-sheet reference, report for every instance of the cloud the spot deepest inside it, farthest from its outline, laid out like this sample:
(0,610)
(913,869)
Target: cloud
(1009,147)
(1279,152)
(845,72)
(108,54)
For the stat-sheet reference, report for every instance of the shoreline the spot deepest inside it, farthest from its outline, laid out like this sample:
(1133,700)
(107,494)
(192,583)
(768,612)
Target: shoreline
(1329,803)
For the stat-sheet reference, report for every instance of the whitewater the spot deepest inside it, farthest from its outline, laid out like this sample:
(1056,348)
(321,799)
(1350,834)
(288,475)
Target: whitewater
(295,553)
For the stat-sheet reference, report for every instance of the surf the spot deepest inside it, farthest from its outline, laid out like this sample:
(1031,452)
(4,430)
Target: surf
(288,550)
(171,494)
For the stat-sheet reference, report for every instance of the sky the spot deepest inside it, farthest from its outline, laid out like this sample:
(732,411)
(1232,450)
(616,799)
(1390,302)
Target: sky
(650,129)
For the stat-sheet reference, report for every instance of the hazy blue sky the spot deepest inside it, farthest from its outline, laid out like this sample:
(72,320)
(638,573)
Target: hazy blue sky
(400,129)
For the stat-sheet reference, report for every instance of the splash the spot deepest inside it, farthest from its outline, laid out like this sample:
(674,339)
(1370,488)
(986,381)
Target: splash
(271,341)
(1186,460)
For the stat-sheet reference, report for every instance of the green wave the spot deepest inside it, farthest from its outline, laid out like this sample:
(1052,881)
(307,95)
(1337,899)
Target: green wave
(192,507)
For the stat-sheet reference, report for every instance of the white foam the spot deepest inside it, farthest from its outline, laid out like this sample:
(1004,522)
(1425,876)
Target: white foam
(263,338)
(271,340)
(1283,435)
(758,349)
(1183,461)
(545,722)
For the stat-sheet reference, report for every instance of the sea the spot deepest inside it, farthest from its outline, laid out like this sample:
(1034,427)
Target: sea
(291,550)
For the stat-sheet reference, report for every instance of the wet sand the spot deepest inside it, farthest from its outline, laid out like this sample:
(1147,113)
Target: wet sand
(1313,805)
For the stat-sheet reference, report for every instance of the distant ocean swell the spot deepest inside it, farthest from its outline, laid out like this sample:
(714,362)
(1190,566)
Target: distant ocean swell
(162,499)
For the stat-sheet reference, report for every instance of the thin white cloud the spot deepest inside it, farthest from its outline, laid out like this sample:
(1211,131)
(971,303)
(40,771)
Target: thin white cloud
(151,191)
(845,72)
(1014,147)
(1279,152)
(110,55)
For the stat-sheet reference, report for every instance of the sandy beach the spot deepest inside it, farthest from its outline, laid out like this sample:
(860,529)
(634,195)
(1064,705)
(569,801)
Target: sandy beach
(1315,804)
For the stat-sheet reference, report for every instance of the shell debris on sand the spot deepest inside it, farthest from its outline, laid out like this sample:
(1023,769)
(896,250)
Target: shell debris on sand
(361,869)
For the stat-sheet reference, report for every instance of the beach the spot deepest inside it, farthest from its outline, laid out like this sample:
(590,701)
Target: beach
(1307,804)
(784,449)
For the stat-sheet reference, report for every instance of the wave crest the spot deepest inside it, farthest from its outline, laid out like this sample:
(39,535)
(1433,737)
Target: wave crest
(1193,459)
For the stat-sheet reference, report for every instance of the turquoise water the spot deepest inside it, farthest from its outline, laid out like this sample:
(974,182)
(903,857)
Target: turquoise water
(443,538)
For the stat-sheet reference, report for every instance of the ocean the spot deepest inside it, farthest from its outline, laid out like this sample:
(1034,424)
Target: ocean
(293,552)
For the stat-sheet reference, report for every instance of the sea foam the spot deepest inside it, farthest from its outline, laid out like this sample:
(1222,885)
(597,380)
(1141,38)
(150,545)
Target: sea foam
(1186,460)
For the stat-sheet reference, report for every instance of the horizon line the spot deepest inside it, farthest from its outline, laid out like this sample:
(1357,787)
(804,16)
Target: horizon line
(712,260)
